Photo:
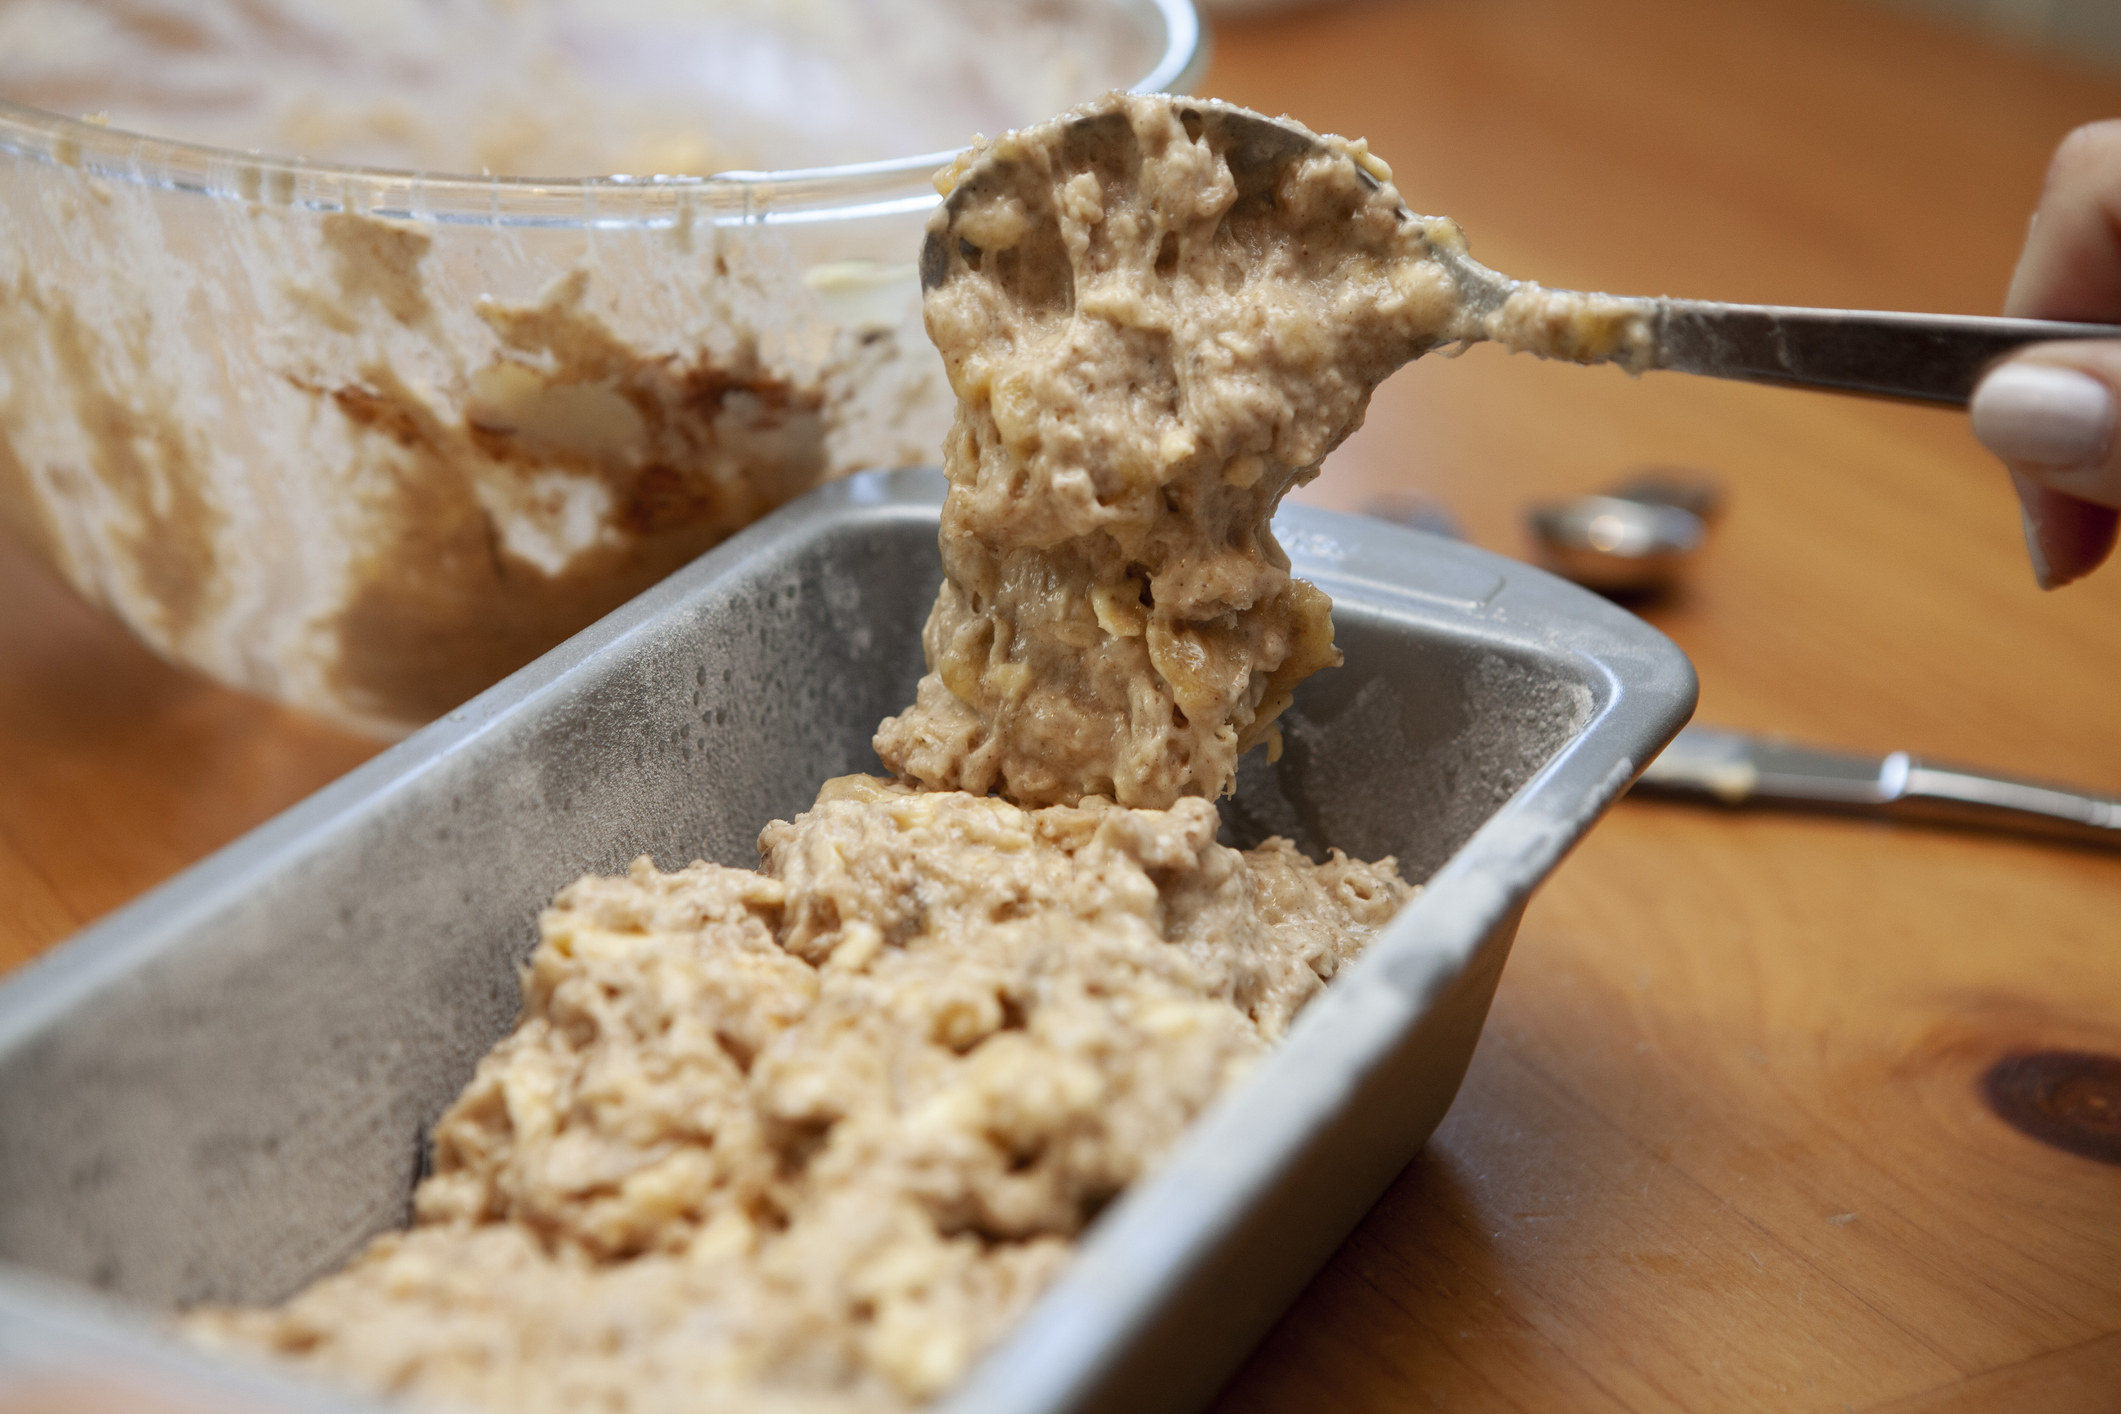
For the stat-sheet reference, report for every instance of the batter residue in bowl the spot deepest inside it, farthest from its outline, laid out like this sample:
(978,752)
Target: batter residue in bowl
(813,1137)
(565,88)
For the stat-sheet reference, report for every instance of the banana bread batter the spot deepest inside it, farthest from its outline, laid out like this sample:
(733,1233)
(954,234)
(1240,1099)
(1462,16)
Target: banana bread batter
(812,1138)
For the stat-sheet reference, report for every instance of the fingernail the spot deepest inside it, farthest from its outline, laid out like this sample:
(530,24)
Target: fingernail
(2035,415)
(2034,551)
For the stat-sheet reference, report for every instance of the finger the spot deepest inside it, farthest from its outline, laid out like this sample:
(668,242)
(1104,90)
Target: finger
(2065,537)
(2050,414)
(2071,267)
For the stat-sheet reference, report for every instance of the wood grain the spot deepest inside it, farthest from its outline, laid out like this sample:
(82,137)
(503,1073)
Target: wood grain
(1723,1145)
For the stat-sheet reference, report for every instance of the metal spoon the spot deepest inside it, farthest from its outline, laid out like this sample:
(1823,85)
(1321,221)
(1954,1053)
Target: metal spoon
(1614,544)
(1934,358)
(1634,539)
(1708,765)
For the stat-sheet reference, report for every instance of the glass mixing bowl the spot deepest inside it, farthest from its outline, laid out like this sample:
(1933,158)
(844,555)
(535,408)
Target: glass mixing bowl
(366,440)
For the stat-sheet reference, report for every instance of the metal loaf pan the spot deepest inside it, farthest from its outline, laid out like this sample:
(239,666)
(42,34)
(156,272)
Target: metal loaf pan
(221,1091)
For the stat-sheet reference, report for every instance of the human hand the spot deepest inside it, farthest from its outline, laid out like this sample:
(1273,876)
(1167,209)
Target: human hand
(2049,411)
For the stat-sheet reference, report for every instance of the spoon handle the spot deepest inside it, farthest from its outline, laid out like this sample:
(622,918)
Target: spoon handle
(1738,768)
(1933,358)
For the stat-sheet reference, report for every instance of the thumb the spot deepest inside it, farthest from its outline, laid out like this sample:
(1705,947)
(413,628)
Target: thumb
(2050,415)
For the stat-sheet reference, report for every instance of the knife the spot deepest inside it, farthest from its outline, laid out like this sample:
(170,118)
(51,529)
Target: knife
(1739,769)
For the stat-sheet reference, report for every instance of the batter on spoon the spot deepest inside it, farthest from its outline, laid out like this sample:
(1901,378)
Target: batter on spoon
(1150,345)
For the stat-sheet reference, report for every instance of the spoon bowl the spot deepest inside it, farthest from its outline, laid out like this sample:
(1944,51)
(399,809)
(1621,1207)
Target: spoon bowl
(1258,152)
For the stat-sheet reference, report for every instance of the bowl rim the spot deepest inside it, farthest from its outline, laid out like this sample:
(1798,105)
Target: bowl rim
(617,200)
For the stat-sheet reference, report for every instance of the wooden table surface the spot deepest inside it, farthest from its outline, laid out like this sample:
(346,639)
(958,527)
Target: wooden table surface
(1724,1144)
